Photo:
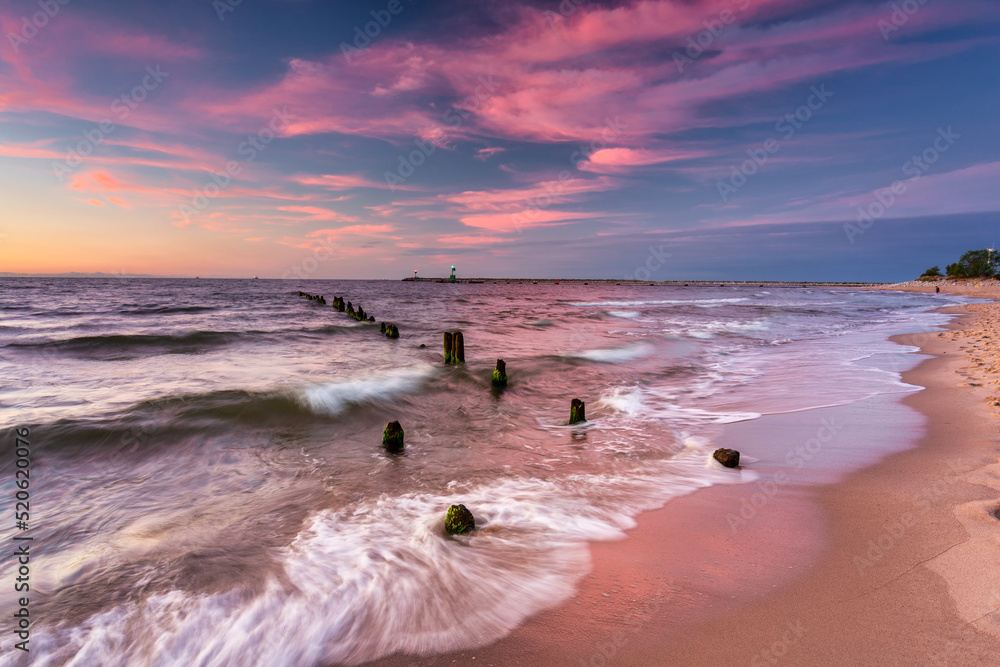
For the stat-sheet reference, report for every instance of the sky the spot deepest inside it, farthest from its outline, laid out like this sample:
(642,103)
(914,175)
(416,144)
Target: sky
(656,140)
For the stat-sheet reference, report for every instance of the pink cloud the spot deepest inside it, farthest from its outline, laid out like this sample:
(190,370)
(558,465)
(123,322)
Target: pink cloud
(471,240)
(488,152)
(618,160)
(315,214)
(339,181)
(358,230)
(524,219)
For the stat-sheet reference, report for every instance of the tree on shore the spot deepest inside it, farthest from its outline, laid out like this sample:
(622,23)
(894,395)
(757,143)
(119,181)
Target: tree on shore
(975,264)
(932,272)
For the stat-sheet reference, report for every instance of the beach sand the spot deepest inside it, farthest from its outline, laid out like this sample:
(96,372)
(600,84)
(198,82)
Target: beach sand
(897,563)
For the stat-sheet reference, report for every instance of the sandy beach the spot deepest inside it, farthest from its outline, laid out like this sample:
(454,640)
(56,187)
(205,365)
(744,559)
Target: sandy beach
(895,564)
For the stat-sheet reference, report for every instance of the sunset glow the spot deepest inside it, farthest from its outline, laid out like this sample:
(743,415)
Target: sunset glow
(229,140)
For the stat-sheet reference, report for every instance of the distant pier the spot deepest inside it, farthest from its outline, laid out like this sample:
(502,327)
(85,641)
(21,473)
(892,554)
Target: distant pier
(673,283)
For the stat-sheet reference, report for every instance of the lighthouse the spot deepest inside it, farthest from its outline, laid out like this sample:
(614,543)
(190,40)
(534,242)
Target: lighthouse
(453,272)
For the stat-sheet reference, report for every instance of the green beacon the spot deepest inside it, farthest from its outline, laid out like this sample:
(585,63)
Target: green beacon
(452,271)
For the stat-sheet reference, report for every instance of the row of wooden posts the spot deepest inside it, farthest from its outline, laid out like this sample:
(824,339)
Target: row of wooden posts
(360,315)
(459,520)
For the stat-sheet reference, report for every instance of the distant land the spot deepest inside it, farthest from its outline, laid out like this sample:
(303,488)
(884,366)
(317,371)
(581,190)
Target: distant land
(574,281)
(81,275)
(685,283)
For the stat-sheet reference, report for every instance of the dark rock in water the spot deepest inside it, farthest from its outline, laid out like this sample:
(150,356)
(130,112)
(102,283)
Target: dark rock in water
(421,345)
(577,411)
(391,331)
(459,520)
(448,346)
(500,374)
(727,457)
(392,437)
(382,327)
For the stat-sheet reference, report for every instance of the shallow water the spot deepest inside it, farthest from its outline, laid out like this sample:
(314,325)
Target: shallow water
(209,486)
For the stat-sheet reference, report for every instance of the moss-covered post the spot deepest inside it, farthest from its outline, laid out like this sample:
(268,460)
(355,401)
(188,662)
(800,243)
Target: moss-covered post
(577,411)
(459,520)
(458,349)
(500,374)
(448,347)
(381,327)
(392,437)
(391,331)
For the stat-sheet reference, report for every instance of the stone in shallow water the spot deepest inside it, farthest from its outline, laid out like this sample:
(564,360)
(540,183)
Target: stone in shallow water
(459,520)
(727,457)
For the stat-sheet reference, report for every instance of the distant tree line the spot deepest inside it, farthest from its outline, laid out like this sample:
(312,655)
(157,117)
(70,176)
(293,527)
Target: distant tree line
(983,263)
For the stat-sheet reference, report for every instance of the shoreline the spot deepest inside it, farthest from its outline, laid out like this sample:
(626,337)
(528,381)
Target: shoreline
(894,563)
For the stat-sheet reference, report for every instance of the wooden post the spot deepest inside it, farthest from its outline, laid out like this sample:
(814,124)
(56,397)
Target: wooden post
(392,437)
(500,374)
(448,346)
(458,351)
(391,331)
(577,411)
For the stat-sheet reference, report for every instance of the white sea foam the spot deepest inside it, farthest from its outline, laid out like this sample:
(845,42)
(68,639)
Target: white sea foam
(616,354)
(335,397)
(382,577)
(664,302)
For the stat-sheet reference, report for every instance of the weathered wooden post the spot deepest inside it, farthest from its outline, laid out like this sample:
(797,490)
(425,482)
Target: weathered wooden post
(392,437)
(381,327)
(458,351)
(448,347)
(500,374)
(577,411)
(459,520)
(391,331)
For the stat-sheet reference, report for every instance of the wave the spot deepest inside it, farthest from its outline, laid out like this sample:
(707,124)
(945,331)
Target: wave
(167,310)
(382,577)
(615,354)
(664,302)
(118,346)
(335,397)
(655,403)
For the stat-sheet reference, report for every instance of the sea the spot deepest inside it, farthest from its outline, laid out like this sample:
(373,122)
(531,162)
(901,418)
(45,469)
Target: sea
(208,484)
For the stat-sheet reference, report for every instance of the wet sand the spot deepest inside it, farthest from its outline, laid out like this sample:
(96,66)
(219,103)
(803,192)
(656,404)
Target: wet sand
(897,563)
